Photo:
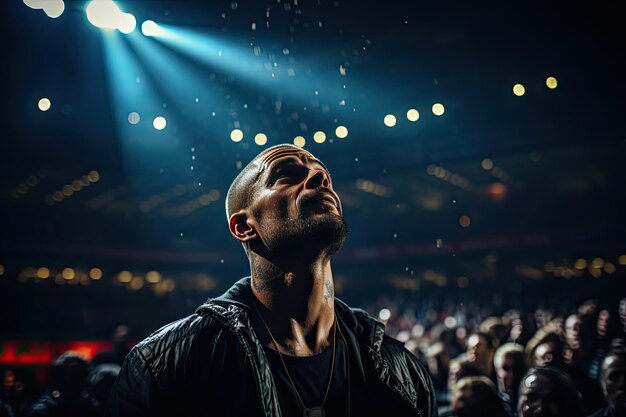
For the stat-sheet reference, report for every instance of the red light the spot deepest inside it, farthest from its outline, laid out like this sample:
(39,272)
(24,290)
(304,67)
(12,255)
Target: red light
(497,191)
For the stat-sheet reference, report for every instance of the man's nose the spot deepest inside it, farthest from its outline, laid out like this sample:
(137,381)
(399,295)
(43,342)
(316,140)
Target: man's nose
(317,178)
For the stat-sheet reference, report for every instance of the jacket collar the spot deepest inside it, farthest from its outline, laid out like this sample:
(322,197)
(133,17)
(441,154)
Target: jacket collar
(364,327)
(365,335)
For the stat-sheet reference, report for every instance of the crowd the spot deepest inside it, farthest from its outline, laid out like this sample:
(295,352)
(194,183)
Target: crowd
(516,364)
(521,364)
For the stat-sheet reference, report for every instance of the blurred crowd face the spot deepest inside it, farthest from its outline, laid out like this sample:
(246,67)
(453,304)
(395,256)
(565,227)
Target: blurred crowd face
(461,399)
(517,329)
(9,380)
(506,373)
(544,355)
(573,326)
(478,351)
(622,312)
(453,374)
(603,322)
(614,379)
(536,399)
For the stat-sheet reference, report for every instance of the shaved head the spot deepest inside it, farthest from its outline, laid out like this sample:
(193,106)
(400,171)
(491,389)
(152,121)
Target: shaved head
(244,186)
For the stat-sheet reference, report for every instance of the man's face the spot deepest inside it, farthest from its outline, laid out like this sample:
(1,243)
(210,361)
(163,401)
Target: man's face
(603,321)
(506,374)
(622,311)
(614,379)
(536,398)
(478,351)
(295,205)
(544,355)
(572,331)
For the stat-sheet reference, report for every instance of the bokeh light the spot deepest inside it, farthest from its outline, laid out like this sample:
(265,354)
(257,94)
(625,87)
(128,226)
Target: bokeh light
(93,176)
(124,276)
(153,277)
(384,314)
(133,118)
(136,283)
(236,135)
(159,123)
(95,273)
(319,137)
(299,141)
(519,90)
(43,273)
(341,132)
(487,164)
(413,115)
(44,104)
(390,120)
(465,220)
(260,139)
(68,273)
(497,191)
(438,109)
(551,83)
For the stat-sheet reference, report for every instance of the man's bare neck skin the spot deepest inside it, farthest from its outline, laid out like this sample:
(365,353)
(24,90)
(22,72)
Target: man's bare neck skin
(297,304)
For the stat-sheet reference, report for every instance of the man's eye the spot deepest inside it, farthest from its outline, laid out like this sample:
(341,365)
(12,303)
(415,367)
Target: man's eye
(282,175)
(288,174)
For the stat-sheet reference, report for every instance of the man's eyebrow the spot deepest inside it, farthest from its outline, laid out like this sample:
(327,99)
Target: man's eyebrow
(292,160)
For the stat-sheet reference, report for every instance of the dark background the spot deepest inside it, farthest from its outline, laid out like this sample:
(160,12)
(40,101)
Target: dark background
(557,154)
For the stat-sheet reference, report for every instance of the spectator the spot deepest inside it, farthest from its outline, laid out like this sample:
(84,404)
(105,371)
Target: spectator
(510,368)
(496,329)
(549,352)
(580,340)
(120,348)
(480,350)
(100,382)
(476,397)
(67,396)
(548,392)
(13,394)
(614,385)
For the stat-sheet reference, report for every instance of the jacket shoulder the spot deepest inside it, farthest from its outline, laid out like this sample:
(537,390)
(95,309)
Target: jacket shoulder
(412,373)
(178,337)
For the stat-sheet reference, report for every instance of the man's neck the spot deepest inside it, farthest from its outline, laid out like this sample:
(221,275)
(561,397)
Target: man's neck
(296,303)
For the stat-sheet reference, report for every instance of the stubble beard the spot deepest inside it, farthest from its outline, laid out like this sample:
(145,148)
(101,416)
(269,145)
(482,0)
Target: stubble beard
(310,236)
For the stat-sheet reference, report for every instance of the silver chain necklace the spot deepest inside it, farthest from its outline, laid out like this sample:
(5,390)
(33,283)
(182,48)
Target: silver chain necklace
(317,411)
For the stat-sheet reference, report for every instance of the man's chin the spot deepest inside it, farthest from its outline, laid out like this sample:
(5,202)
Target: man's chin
(325,231)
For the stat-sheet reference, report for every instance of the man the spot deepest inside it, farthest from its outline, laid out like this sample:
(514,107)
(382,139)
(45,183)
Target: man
(510,366)
(277,343)
(480,350)
(476,396)
(120,348)
(614,384)
(579,337)
(548,392)
(549,353)
(67,395)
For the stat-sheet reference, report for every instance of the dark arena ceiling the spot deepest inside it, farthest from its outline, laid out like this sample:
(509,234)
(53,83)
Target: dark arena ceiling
(500,191)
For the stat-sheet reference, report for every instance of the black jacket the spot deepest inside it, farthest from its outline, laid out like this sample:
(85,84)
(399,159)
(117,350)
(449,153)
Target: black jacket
(212,364)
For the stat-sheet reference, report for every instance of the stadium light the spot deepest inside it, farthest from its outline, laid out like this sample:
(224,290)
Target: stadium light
(151,28)
(105,14)
(52,8)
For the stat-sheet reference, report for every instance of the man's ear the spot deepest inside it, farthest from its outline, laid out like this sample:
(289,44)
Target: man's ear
(240,227)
